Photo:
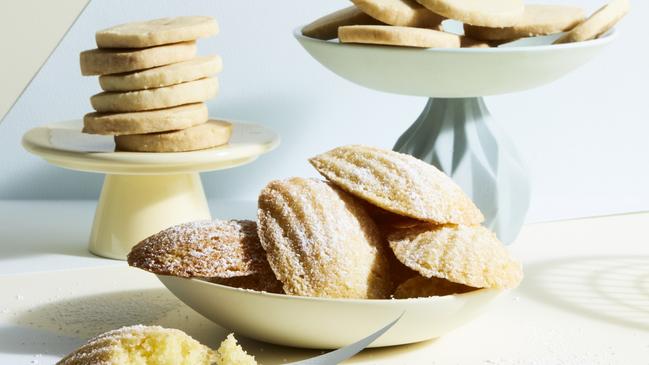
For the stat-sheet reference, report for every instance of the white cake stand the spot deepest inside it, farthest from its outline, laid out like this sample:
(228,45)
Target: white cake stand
(143,193)
(455,131)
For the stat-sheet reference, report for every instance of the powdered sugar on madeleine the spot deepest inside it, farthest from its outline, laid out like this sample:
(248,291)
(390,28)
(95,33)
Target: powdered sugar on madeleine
(398,183)
(207,249)
(321,242)
(469,255)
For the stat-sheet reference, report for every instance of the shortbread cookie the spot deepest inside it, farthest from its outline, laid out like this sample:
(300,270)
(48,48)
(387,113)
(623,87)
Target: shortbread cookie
(487,13)
(398,36)
(142,345)
(537,20)
(151,121)
(468,255)
(406,13)
(207,135)
(421,287)
(398,183)
(207,249)
(264,282)
(176,73)
(326,28)
(162,97)
(155,32)
(111,61)
(597,24)
(320,242)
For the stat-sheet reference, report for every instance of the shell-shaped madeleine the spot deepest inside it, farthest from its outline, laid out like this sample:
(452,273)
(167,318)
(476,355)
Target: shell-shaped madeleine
(398,183)
(320,241)
(141,345)
(469,255)
(208,249)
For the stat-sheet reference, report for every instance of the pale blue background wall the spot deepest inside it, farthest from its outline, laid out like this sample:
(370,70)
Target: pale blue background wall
(584,137)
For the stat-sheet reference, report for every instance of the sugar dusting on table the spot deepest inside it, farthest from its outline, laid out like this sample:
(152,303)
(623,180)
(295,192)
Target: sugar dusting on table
(89,316)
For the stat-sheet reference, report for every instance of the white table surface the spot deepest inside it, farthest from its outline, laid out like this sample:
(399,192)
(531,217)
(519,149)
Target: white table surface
(584,300)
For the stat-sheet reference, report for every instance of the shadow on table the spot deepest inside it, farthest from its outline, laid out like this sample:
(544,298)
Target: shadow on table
(53,327)
(57,327)
(88,316)
(613,289)
(57,231)
(385,353)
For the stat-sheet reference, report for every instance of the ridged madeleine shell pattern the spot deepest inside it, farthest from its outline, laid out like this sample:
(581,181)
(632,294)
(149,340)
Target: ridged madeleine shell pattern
(115,347)
(320,242)
(207,249)
(398,183)
(469,255)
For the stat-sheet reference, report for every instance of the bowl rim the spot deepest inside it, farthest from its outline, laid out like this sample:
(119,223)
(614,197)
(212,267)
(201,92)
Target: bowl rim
(604,39)
(394,301)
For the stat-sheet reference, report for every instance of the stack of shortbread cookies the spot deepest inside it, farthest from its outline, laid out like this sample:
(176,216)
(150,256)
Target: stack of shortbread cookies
(487,23)
(155,86)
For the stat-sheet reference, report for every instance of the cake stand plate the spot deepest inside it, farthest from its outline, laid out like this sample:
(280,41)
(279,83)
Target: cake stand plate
(143,193)
(455,131)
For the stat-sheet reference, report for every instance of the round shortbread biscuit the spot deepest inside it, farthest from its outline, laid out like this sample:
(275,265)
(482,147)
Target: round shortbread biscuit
(537,20)
(207,135)
(150,121)
(326,27)
(111,61)
(176,73)
(406,13)
(468,255)
(487,13)
(162,97)
(398,36)
(157,31)
(597,24)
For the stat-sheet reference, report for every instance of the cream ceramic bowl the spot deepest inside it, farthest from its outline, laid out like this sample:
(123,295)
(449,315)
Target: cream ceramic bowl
(324,323)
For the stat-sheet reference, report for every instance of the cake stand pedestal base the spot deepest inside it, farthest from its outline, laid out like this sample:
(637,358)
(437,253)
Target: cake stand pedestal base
(460,137)
(133,207)
(143,193)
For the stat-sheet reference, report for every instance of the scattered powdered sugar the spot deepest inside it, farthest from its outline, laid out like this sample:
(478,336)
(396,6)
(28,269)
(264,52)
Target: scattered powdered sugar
(398,183)
(320,241)
(91,315)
